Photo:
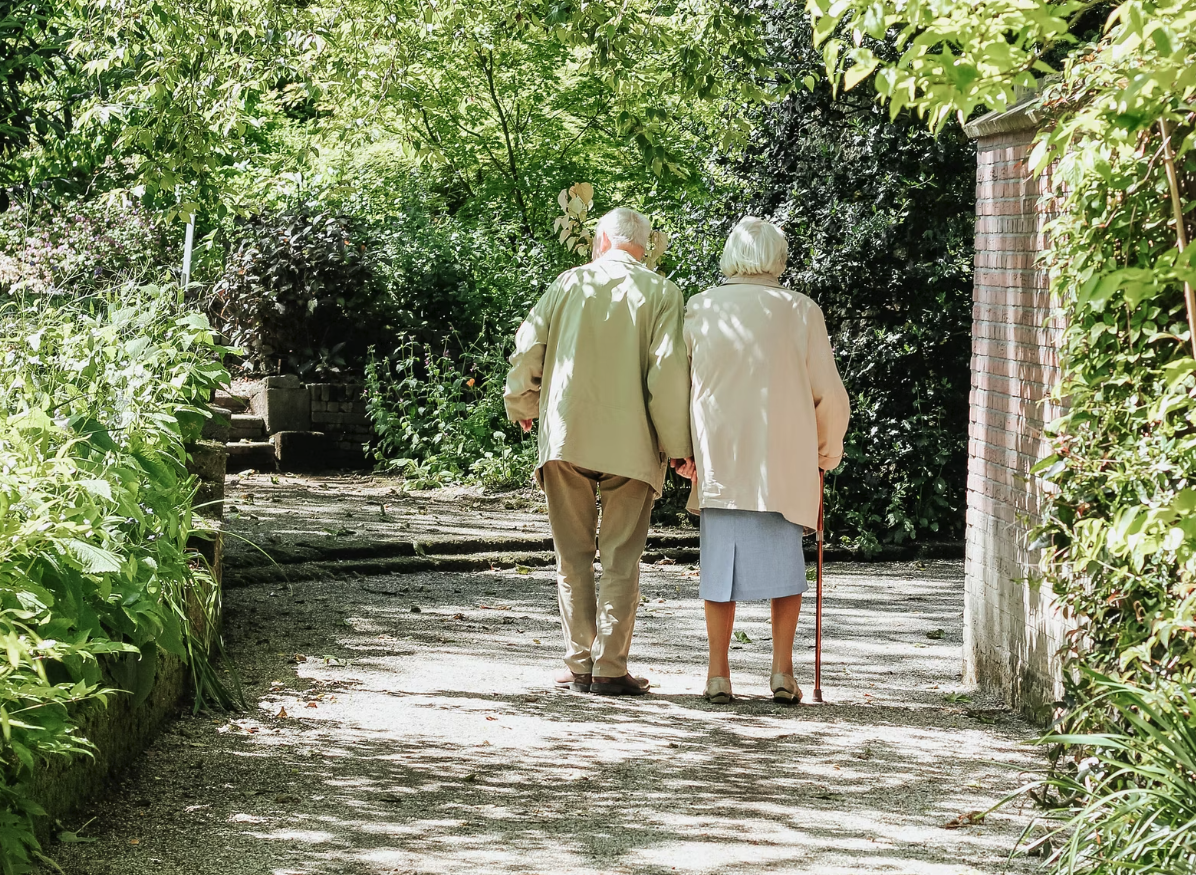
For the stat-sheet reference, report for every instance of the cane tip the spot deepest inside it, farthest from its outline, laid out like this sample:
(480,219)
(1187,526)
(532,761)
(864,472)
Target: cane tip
(818,696)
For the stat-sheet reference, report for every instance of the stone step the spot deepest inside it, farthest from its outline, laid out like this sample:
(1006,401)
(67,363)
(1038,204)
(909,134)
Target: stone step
(216,427)
(246,426)
(258,455)
(235,403)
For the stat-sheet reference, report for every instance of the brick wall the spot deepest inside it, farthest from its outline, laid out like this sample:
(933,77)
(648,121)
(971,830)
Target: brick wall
(1011,627)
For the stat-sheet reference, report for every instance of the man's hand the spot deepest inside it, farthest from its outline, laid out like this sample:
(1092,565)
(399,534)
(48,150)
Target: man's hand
(685,467)
(526,425)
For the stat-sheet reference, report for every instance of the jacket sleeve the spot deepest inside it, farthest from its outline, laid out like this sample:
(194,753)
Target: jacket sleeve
(521,394)
(668,378)
(832,407)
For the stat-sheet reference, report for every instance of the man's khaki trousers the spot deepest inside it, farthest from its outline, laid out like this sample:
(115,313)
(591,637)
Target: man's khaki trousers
(597,624)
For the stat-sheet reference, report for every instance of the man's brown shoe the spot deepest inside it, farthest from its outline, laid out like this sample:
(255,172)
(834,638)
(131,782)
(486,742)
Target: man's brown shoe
(624,686)
(579,683)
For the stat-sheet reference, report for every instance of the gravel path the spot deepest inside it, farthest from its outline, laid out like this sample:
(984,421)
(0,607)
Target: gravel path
(408,724)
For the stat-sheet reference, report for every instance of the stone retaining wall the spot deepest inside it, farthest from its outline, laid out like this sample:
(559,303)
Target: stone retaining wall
(338,410)
(156,683)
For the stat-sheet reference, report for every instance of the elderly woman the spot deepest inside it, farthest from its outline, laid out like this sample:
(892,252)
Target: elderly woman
(767,410)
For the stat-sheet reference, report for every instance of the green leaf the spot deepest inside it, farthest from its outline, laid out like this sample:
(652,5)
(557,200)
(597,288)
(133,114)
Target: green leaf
(93,559)
(98,488)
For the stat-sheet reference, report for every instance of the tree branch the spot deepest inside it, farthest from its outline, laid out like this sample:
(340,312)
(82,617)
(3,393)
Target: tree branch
(488,70)
(1181,232)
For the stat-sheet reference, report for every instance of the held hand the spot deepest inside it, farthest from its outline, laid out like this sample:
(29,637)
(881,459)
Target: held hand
(685,468)
(526,425)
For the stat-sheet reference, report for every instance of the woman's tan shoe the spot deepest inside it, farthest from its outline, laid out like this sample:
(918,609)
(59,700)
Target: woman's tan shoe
(784,689)
(718,691)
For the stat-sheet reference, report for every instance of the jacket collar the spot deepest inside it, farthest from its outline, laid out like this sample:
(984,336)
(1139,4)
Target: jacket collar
(760,279)
(620,255)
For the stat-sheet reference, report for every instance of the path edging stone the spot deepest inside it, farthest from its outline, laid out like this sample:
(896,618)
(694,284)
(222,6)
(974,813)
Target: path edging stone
(307,560)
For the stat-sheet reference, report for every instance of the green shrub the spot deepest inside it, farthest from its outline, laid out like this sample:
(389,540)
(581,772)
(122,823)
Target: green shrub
(291,293)
(76,246)
(441,420)
(97,402)
(437,271)
(373,261)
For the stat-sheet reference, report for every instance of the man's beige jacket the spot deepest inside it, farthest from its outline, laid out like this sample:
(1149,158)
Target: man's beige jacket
(768,406)
(600,360)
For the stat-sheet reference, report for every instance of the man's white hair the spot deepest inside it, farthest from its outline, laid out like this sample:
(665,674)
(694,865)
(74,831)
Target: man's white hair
(625,226)
(755,247)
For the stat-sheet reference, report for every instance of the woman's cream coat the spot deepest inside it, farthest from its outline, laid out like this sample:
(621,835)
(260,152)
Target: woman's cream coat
(767,407)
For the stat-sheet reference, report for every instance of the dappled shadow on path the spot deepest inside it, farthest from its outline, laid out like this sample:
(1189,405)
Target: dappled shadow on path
(388,741)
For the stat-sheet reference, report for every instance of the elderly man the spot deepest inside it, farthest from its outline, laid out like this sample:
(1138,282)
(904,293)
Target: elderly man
(602,362)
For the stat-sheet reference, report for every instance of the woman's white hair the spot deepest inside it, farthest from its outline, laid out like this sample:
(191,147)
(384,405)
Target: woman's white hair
(755,247)
(625,226)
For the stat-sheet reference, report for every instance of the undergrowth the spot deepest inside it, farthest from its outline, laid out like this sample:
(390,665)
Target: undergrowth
(98,401)
(440,418)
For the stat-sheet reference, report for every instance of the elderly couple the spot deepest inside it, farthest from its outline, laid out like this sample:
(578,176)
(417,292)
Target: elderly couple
(738,392)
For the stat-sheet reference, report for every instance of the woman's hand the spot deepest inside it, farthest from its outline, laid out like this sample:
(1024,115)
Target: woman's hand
(685,468)
(526,425)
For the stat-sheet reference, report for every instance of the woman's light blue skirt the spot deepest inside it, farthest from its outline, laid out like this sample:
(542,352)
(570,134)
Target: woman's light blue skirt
(750,554)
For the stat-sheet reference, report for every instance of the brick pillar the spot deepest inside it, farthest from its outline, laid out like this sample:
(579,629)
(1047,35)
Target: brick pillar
(1012,629)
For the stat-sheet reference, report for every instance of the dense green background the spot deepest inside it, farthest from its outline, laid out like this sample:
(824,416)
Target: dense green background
(392,191)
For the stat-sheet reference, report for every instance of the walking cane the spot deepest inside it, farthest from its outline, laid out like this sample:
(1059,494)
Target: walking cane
(818,598)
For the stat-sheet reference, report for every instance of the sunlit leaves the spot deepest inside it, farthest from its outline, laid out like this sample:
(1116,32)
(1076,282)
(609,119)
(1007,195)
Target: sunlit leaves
(96,514)
(186,85)
(955,56)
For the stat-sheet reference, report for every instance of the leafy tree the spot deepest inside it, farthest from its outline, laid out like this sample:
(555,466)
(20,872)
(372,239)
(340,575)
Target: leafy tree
(31,56)
(188,85)
(516,98)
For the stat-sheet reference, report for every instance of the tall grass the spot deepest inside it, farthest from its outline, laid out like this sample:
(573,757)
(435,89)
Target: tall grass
(1129,803)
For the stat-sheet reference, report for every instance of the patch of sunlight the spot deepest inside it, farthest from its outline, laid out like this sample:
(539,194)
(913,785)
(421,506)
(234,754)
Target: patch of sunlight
(412,828)
(496,856)
(308,836)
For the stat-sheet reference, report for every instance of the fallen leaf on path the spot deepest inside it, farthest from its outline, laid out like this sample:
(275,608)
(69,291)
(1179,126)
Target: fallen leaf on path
(246,818)
(134,841)
(72,838)
(491,718)
(522,569)
(666,561)
(986,719)
(311,704)
(470,778)
(935,634)
(971,818)
(282,712)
